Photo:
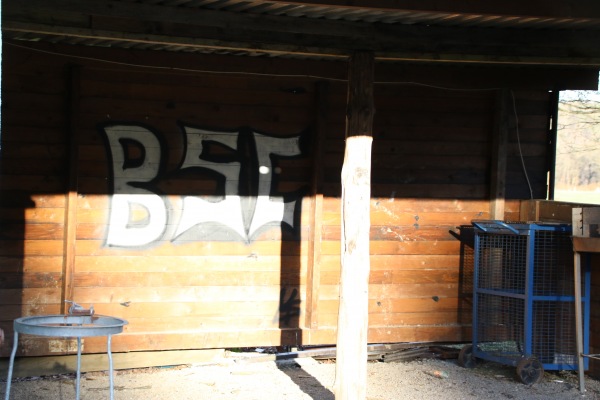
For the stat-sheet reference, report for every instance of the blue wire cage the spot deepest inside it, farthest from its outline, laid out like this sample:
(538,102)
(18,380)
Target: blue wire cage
(523,297)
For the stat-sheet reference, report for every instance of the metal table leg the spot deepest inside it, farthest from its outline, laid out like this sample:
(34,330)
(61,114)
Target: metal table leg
(11,364)
(78,380)
(110,367)
(578,321)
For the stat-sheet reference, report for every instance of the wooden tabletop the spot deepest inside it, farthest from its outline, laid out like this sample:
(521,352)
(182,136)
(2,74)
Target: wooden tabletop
(586,244)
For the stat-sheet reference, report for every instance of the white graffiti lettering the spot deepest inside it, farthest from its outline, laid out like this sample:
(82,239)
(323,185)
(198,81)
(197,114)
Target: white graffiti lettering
(246,206)
(124,228)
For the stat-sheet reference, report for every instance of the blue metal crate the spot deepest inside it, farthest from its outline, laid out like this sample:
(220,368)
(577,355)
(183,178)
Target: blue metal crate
(523,296)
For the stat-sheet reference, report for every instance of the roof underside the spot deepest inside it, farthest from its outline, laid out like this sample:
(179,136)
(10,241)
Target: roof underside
(551,32)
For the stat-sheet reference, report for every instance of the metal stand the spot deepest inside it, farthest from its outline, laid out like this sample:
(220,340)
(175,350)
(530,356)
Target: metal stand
(67,326)
(585,240)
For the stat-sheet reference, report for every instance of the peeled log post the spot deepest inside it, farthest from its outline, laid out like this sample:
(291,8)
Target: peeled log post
(353,318)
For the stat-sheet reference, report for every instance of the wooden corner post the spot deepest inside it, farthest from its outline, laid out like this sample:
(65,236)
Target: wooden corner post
(499,155)
(353,316)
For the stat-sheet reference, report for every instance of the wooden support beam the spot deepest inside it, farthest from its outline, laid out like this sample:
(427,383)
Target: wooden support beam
(70,229)
(552,138)
(353,317)
(499,151)
(313,277)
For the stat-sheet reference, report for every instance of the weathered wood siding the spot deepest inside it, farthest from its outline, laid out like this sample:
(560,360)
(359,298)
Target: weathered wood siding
(33,163)
(138,148)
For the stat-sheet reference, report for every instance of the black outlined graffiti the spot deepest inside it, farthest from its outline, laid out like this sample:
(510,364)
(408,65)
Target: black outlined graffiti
(243,164)
(133,176)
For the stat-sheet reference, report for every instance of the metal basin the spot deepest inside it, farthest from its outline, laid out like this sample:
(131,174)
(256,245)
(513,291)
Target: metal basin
(67,325)
(63,325)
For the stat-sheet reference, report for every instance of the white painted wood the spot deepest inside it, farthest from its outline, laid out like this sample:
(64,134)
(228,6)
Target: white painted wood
(351,369)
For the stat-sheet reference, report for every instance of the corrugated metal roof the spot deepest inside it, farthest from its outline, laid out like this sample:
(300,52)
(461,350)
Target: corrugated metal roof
(389,16)
(313,11)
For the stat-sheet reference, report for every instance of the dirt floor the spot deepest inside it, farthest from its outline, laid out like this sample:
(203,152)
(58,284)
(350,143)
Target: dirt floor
(241,376)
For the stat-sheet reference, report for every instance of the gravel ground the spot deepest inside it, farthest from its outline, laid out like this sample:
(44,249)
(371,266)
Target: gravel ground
(235,377)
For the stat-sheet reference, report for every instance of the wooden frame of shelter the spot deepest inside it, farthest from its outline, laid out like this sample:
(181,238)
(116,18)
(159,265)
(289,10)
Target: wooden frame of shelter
(493,49)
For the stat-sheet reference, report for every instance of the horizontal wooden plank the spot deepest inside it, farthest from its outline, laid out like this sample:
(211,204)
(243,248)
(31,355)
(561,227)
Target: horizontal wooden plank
(382,216)
(20,79)
(391,174)
(24,199)
(97,248)
(228,114)
(417,190)
(37,264)
(241,91)
(394,99)
(30,280)
(390,293)
(167,124)
(35,183)
(33,296)
(41,119)
(250,338)
(185,279)
(38,102)
(54,215)
(416,205)
(38,151)
(38,346)
(403,276)
(31,166)
(166,323)
(414,319)
(426,304)
(98,295)
(412,334)
(409,162)
(393,262)
(215,307)
(429,149)
(400,233)
(13,311)
(31,247)
(396,247)
(192,263)
(89,231)
(35,231)
(426,333)
(95,186)
(94,74)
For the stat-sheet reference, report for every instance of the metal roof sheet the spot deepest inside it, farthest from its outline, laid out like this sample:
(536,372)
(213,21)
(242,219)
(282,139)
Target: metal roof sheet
(319,11)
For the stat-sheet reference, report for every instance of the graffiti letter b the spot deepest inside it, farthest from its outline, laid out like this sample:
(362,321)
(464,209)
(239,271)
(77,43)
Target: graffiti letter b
(138,216)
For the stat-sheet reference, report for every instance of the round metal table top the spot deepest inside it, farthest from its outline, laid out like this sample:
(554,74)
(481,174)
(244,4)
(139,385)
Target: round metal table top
(66,325)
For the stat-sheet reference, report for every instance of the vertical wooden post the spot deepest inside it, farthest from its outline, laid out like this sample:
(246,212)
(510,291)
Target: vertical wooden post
(353,317)
(72,184)
(553,136)
(499,151)
(313,276)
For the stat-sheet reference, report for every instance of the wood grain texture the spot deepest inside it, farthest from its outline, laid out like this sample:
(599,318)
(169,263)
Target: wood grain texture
(430,165)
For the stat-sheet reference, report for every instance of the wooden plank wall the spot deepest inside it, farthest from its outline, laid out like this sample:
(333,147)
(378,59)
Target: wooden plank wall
(185,278)
(430,175)
(34,165)
(190,289)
